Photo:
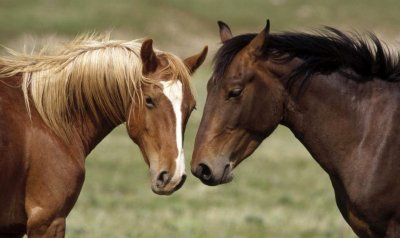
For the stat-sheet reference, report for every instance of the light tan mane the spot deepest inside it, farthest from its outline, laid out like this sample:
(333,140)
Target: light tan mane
(90,74)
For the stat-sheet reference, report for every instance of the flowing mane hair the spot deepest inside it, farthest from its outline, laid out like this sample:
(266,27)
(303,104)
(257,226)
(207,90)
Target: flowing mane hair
(326,51)
(91,74)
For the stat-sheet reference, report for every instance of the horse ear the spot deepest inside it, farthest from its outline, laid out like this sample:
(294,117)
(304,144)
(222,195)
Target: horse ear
(224,31)
(260,40)
(194,62)
(148,56)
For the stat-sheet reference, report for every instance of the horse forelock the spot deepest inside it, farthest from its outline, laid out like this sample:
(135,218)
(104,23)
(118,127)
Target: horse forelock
(90,74)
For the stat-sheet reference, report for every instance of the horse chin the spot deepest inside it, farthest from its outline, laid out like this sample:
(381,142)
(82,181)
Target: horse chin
(162,191)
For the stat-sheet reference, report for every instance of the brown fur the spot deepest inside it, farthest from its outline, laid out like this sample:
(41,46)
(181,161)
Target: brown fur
(42,172)
(348,124)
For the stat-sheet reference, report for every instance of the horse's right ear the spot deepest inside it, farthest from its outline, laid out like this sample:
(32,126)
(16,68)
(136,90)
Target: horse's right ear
(260,40)
(224,31)
(149,57)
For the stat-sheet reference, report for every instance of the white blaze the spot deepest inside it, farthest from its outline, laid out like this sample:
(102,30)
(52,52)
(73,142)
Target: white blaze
(173,91)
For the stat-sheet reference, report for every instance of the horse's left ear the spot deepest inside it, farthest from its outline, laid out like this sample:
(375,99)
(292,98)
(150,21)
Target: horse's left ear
(225,32)
(194,62)
(260,40)
(149,57)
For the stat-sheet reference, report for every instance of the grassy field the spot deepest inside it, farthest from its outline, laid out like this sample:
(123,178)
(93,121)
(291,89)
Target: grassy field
(278,192)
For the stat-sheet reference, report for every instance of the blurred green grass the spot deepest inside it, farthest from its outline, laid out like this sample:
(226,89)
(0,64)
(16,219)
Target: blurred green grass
(278,192)
(184,25)
(72,16)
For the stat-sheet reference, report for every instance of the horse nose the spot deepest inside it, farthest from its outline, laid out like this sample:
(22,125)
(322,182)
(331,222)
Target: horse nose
(162,179)
(204,173)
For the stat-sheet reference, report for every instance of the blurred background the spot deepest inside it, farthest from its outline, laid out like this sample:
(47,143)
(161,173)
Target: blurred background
(280,191)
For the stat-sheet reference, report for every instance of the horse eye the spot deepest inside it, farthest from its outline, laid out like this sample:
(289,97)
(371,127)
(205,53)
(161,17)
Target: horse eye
(235,93)
(149,102)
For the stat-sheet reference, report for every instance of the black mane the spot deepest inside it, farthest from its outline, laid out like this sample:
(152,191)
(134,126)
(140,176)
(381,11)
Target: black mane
(327,51)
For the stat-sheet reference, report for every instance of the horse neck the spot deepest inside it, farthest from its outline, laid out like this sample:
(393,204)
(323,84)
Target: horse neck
(91,131)
(331,115)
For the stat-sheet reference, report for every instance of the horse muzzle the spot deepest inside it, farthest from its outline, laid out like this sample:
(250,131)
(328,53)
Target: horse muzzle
(213,175)
(164,184)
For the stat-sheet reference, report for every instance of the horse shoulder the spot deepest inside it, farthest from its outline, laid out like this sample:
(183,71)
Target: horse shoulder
(33,162)
(13,163)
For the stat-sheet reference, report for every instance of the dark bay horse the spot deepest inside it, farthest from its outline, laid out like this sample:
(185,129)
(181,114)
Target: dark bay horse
(55,108)
(339,93)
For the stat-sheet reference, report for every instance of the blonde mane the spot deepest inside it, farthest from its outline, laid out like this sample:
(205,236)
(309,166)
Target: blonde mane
(88,75)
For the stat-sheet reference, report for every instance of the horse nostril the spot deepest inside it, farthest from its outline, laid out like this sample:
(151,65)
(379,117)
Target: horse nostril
(162,179)
(180,184)
(204,172)
(183,177)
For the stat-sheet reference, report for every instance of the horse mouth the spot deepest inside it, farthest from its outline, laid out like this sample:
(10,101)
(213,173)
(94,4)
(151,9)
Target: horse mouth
(227,176)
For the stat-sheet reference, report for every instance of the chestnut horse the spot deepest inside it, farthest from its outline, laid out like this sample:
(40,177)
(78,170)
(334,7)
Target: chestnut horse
(55,108)
(338,93)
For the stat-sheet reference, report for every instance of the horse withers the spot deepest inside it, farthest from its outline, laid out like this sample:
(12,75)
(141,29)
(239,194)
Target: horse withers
(55,108)
(340,96)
